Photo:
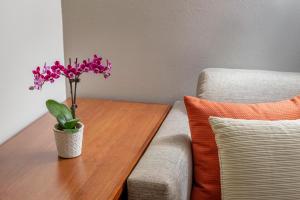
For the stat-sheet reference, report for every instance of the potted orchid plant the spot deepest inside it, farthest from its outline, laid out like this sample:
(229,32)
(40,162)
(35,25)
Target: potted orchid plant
(69,130)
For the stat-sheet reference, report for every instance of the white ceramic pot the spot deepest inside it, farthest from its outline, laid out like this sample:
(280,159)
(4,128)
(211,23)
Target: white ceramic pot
(69,145)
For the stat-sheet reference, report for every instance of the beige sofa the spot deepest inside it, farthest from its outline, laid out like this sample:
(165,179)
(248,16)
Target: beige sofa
(165,170)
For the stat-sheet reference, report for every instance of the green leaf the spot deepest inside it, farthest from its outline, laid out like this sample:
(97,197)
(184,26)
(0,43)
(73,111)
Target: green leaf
(53,107)
(56,109)
(71,124)
(67,112)
(74,130)
(61,120)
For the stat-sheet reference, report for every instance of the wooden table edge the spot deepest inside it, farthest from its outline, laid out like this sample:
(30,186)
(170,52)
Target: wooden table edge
(121,187)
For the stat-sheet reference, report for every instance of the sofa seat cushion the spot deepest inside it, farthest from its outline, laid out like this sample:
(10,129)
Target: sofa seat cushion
(205,155)
(258,159)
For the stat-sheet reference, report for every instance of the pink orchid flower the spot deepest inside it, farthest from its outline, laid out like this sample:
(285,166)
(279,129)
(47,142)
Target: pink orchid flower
(71,72)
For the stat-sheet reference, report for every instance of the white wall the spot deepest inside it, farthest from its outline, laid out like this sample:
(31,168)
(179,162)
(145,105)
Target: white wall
(30,34)
(158,47)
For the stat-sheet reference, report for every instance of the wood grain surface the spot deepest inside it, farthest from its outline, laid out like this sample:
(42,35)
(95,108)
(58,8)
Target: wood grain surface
(115,136)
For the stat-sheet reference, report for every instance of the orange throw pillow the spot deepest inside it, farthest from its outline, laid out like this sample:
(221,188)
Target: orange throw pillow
(206,184)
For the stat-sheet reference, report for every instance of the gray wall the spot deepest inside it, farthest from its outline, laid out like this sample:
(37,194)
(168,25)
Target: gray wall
(31,33)
(158,47)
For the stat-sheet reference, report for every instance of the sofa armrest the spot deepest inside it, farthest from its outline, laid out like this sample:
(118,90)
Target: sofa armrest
(165,170)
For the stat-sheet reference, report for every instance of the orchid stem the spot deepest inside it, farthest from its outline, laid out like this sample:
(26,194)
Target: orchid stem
(72,99)
(75,91)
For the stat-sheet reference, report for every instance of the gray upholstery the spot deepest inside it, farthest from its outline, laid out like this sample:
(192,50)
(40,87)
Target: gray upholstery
(165,170)
(247,86)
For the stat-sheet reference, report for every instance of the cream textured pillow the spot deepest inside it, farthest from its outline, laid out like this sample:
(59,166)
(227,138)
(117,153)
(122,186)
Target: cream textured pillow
(258,159)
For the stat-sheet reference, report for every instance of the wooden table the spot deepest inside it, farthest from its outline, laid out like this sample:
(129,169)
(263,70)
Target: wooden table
(116,135)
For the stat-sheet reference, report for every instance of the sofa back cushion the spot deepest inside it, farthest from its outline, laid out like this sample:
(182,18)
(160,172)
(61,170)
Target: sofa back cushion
(247,86)
(205,155)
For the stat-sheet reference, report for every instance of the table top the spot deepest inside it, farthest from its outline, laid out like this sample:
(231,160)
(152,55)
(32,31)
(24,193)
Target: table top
(116,134)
